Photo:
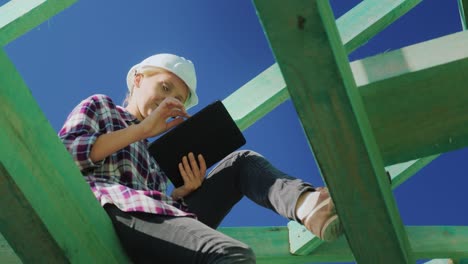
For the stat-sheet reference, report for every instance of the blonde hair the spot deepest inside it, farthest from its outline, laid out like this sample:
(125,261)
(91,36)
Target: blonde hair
(146,72)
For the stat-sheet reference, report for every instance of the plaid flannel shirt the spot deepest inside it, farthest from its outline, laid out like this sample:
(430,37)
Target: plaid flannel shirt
(130,178)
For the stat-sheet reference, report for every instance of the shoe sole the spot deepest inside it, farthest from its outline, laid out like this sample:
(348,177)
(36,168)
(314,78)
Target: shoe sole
(332,228)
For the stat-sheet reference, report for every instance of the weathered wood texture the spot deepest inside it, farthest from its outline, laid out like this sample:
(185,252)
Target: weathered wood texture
(50,182)
(368,18)
(19,16)
(271,246)
(314,64)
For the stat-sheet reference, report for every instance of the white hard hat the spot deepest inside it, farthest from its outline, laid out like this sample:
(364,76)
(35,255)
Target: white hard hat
(179,66)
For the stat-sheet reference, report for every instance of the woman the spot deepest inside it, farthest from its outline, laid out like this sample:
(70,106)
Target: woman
(109,144)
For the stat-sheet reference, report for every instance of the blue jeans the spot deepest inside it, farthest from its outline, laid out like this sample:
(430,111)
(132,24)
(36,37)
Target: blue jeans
(149,238)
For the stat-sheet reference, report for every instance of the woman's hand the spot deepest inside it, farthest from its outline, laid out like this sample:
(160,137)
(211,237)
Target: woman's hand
(193,174)
(157,122)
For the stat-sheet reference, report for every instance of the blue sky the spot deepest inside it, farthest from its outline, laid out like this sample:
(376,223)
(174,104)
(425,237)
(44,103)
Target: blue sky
(89,48)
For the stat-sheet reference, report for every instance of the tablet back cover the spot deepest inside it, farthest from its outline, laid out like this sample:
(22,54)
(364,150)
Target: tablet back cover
(211,132)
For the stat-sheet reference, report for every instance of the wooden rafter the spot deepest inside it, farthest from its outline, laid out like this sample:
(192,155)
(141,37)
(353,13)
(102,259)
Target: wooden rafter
(18,16)
(368,18)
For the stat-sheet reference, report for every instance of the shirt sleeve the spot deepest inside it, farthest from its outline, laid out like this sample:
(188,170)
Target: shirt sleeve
(81,129)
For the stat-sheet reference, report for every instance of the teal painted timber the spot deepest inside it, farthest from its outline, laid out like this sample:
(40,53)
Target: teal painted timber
(439,261)
(447,261)
(413,111)
(52,185)
(18,219)
(257,97)
(19,16)
(399,173)
(301,241)
(314,64)
(463,9)
(7,255)
(369,18)
(427,242)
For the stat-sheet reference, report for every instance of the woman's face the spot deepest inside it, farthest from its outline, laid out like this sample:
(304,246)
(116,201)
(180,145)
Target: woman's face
(150,90)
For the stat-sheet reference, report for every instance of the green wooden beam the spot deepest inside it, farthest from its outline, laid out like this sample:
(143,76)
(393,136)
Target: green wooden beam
(45,174)
(401,172)
(18,220)
(7,255)
(413,110)
(314,64)
(439,261)
(257,97)
(368,18)
(463,8)
(301,241)
(426,241)
(271,246)
(19,16)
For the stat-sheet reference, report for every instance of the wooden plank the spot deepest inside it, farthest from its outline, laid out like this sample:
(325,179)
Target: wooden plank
(52,185)
(302,242)
(427,241)
(7,255)
(439,261)
(20,224)
(401,172)
(368,18)
(312,59)
(463,9)
(257,97)
(413,111)
(19,16)
(271,246)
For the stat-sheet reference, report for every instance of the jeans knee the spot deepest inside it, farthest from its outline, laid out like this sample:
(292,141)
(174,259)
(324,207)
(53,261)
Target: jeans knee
(246,154)
(237,157)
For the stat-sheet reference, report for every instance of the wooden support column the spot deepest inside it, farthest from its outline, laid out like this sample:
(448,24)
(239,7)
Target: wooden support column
(313,61)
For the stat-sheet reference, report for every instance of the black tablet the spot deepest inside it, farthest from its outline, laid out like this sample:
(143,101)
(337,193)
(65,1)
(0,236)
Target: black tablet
(211,132)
